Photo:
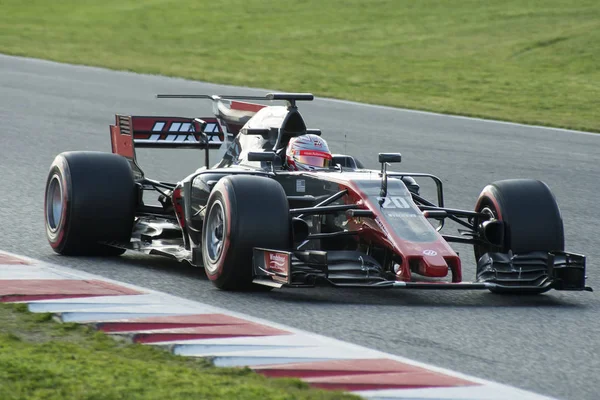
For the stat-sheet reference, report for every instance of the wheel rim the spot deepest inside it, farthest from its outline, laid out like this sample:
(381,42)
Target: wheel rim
(214,235)
(54,204)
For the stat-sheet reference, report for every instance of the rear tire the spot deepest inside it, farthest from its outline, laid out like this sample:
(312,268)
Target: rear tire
(89,198)
(243,212)
(532,219)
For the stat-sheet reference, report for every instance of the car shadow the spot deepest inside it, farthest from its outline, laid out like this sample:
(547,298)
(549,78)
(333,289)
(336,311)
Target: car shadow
(426,298)
(130,262)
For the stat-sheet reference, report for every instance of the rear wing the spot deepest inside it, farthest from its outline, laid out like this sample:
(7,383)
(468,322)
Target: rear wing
(172,132)
(131,132)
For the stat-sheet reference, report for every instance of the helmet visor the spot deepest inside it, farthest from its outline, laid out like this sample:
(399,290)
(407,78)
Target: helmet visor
(319,159)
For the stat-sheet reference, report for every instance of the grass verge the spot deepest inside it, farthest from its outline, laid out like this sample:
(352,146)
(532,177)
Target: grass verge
(42,359)
(533,62)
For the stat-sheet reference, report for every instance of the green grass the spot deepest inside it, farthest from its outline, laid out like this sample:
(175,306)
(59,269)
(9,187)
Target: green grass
(534,62)
(42,359)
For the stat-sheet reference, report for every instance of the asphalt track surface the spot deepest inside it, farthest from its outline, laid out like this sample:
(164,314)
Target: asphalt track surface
(549,343)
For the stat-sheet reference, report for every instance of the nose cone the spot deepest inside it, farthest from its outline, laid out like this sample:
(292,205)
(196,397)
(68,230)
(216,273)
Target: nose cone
(433,265)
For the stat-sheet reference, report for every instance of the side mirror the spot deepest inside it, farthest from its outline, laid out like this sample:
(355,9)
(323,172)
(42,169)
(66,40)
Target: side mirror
(267,156)
(384,159)
(436,214)
(390,157)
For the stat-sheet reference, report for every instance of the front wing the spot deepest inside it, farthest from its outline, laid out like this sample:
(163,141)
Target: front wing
(534,272)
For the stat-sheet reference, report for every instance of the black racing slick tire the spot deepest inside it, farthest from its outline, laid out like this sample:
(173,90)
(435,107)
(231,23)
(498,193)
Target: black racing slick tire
(532,219)
(90,200)
(243,212)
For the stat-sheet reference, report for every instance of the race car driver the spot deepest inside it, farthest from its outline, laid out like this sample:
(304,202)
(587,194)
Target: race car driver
(307,153)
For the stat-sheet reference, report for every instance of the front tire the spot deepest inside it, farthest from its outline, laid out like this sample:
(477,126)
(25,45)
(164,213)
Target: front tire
(89,200)
(532,219)
(243,212)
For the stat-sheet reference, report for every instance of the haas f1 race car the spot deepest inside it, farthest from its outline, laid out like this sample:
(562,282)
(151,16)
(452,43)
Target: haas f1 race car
(252,223)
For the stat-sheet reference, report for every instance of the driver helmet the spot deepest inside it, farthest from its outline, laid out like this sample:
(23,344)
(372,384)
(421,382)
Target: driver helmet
(307,153)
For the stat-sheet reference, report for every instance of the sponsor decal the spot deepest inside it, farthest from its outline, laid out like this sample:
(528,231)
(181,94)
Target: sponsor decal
(399,215)
(314,153)
(277,262)
(180,138)
(301,186)
(277,266)
(430,252)
(178,132)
